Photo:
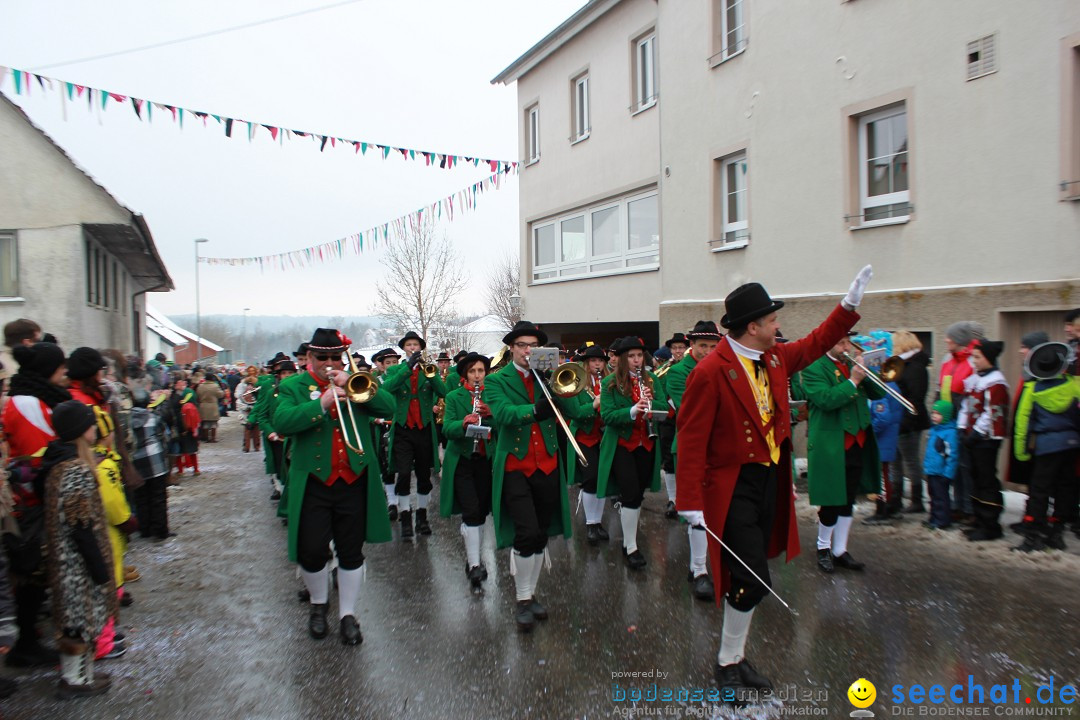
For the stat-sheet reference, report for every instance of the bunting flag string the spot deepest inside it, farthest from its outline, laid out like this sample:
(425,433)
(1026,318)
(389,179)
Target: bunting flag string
(354,244)
(24,81)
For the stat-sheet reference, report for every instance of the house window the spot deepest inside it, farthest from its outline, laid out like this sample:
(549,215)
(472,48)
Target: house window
(981,57)
(1070,119)
(9,265)
(732,223)
(620,235)
(115,287)
(729,29)
(123,293)
(645,72)
(883,166)
(532,124)
(580,105)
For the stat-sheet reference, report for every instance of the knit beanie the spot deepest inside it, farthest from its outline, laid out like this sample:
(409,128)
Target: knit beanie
(944,409)
(84,362)
(41,359)
(990,349)
(1034,339)
(963,332)
(71,419)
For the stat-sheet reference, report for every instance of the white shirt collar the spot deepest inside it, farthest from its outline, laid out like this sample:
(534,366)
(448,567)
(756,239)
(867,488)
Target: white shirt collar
(523,373)
(743,351)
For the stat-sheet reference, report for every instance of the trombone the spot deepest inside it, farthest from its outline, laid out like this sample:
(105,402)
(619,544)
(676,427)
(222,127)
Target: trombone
(890,370)
(360,387)
(567,380)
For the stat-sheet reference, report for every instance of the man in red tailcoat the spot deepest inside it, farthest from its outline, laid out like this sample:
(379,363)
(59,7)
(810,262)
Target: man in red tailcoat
(734,469)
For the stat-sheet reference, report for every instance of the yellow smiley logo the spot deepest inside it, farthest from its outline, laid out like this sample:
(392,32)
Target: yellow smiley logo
(862,693)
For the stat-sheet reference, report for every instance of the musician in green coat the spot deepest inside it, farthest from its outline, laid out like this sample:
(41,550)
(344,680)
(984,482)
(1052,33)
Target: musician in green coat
(529,499)
(629,453)
(583,414)
(274,442)
(334,491)
(412,436)
(465,488)
(842,452)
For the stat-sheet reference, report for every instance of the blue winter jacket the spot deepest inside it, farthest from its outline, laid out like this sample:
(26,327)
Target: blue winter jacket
(886,415)
(942,457)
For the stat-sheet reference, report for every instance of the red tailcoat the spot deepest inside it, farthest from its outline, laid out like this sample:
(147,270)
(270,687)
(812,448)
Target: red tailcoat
(719,430)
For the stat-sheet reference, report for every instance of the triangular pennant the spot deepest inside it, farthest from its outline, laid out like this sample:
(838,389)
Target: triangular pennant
(137,104)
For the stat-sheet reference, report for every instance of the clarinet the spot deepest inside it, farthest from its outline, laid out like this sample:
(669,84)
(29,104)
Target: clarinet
(643,390)
(475,408)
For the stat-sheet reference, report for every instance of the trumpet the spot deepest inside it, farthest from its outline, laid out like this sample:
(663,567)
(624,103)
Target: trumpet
(360,387)
(646,394)
(889,370)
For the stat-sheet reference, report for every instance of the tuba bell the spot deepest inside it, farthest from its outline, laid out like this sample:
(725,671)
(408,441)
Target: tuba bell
(569,379)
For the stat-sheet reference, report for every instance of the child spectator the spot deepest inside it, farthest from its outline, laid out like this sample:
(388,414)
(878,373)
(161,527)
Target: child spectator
(1048,428)
(940,462)
(152,461)
(189,422)
(885,417)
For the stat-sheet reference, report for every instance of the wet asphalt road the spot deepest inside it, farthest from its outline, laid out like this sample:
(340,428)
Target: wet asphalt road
(216,630)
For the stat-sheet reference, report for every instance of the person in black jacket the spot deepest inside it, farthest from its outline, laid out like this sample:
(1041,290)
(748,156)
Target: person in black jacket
(913,383)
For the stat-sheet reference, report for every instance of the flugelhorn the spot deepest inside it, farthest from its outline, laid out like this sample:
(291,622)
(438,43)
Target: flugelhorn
(873,377)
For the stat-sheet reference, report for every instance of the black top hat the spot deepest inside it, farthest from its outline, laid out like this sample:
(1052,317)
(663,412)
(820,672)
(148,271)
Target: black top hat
(524,327)
(469,360)
(629,343)
(677,338)
(285,366)
(302,350)
(383,354)
(594,351)
(461,354)
(703,330)
(411,335)
(748,302)
(328,340)
(443,356)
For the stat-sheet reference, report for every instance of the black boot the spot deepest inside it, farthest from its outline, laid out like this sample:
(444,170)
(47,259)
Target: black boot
(476,578)
(539,611)
(847,562)
(602,533)
(751,677)
(350,631)
(1055,538)
(422,526)
(317,621)
(1033,542)
(733,691)
(406,525)
(825,560)
(591,535)
(703,588)
(523,617)
(393,513)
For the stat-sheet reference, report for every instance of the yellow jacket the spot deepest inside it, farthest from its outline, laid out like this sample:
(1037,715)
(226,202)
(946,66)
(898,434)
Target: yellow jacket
(117,511)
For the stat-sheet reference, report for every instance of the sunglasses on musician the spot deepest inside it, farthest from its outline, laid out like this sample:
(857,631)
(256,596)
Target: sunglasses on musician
(323,358)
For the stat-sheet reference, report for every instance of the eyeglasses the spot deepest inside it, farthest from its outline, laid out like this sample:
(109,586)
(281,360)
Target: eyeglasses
(524,345)
(324,358)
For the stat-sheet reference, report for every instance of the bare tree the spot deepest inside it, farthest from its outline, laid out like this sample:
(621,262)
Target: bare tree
(503,282)
(424,278)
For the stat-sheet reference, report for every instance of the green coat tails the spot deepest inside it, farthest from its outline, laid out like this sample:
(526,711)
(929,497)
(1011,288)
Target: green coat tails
(837,407)
(459,403)
(579,414)
(301,417)
(615,409)
(512,411)
(397,382)
(675,386)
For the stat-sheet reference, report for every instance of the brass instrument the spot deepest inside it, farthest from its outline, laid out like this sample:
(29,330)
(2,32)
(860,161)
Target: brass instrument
(567,380)
(588,386)
(501,358)
(890,370)
(646,393)
(426,366)
(360,387)
(662,370)
(476,408)
(441,405)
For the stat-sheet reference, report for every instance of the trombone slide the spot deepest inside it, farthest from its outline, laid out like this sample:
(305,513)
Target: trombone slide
(873,377)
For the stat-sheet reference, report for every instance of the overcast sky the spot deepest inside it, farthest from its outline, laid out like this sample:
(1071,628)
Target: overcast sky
(407,73)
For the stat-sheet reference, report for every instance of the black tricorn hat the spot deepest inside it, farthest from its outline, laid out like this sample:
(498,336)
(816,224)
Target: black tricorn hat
(327,340)
(383,354)
(469,360)
(703,330)
(748,302)
(524,327)
(677,338)
(594,351)
(411,335)
(629,343)
(302,350)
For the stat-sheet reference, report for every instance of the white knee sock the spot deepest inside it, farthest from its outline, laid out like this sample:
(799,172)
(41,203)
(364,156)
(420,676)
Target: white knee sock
(523,575)
(71,669)
(317,584)
(629,519)
(421,502)
(733,640)
(594,508)
(88,666)
(840,536)
(537,567)
(699,550)
(391,495)
(669,480)
(404,502)
(348,583)
(472,544)
(824,536)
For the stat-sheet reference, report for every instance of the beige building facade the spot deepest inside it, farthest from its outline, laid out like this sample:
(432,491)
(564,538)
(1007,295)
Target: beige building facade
(796,141)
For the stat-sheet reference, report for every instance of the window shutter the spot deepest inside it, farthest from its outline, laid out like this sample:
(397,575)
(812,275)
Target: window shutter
(981,57)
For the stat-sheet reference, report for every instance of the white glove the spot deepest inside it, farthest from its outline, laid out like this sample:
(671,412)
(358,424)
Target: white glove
(858,287)
(695,518)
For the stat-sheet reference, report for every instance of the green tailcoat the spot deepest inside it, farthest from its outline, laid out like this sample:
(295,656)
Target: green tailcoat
(512,411)
(458,404)
(397,383)
(837,407)
(265,400)
(675,386)
(615,409)
(302,418)
(579,414)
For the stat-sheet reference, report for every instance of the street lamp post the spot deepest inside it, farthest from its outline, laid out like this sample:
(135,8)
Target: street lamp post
(243,337)
(198,311)
(516,306)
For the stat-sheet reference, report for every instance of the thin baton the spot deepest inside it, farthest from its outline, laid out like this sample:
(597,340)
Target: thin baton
(767,587)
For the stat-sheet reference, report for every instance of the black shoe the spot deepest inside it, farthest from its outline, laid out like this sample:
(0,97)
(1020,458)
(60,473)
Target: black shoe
(126,600)
(1055,538)
(847,562)
(422,526)
(980,534)
(393,513)
(670,512)
(915,507)
(539,611)
(317,621)
(591,535)
(825,560)
(476,577)
(275,496)
(303,596)
(600,531)
(733,690)
(880,519)
(350,631)
(751,677)
(1033,542)
(406,525)
(524,618)
(634,560)
(703,588)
